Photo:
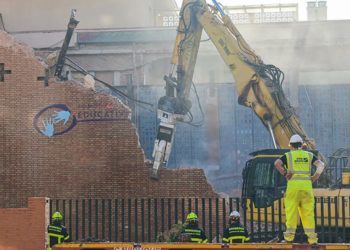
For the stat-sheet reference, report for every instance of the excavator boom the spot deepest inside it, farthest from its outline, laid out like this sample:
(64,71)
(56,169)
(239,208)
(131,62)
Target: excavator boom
(258,85)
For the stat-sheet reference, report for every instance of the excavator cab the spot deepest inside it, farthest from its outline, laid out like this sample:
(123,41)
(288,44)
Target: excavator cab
(262,183)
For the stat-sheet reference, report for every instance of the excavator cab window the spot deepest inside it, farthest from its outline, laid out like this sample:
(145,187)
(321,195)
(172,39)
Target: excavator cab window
(261,181)
(339,168)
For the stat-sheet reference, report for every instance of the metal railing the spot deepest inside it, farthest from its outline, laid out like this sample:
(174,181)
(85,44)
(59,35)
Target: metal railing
(143,220)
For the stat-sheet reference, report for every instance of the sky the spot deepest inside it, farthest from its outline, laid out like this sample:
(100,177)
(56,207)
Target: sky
(336,9)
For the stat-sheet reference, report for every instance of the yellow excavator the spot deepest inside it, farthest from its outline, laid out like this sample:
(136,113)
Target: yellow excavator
(259,87)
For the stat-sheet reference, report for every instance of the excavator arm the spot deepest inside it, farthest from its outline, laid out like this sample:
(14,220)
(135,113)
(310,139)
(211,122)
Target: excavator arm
(258,85)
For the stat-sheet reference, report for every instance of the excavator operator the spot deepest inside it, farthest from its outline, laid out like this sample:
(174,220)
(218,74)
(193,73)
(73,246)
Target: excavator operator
(299,194)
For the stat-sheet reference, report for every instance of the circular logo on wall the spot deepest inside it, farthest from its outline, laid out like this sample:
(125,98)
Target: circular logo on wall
(54,120)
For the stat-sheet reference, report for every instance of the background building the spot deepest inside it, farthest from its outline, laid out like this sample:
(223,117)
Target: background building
(43,15)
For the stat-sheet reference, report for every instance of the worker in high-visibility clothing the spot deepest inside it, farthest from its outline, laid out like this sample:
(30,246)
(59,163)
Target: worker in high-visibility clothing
(191,231)
(235,231)
(296,165)
(56,231)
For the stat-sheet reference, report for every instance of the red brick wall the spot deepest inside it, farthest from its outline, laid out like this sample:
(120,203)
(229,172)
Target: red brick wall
(94,159)
(24,228)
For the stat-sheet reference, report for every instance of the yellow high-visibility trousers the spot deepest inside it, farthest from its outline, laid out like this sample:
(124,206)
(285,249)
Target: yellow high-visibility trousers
(300,202)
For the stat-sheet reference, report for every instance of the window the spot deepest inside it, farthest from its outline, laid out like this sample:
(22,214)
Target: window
(116,78)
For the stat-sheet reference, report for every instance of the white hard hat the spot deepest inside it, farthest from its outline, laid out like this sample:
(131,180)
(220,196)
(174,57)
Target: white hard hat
(235,214)
(295,139)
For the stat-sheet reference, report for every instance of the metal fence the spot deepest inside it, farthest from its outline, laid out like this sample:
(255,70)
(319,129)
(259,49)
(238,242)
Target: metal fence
(143,220)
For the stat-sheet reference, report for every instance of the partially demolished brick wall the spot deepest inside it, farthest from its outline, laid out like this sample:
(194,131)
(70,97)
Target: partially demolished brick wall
(66,141)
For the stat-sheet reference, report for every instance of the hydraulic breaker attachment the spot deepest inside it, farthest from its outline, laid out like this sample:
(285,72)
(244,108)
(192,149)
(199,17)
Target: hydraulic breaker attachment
(163,142)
